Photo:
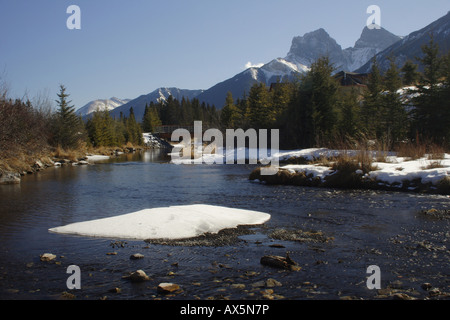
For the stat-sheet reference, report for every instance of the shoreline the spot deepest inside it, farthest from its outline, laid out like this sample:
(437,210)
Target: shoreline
(349,182)
(360,170)
(11,170)
(11,176)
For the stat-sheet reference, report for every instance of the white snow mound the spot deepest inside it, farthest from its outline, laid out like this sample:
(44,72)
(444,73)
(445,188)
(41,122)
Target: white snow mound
(178,222)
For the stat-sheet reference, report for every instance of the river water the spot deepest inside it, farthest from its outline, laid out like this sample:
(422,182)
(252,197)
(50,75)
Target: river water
(357,228)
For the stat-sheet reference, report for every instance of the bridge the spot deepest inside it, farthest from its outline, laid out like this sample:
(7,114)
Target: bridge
(165,132)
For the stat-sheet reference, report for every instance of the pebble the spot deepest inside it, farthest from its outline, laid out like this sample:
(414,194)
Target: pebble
(168,288)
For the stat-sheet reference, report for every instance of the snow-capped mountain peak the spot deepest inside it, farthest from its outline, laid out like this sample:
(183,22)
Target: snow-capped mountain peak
(313,45)
(101,105)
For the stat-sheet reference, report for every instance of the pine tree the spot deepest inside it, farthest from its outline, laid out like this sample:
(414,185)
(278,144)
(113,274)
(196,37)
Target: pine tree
(67,127)
(260,112)
(104,131)
(146,120)
(324,99)
(133,130)
(445,100)
(394,122)
(349,112)
(430,122)
(371,111)
(410,73)
(281,96)
(311,117)
(229,116)
(151,118)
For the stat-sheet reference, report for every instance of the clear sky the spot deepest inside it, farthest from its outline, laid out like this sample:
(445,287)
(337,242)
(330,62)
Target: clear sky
(128,48)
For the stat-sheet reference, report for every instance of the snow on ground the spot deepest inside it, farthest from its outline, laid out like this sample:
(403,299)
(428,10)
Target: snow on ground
(150,140)
(177,222)
(394,170)
(94,158)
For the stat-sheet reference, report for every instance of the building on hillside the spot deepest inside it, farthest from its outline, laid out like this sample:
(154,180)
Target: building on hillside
(352,81)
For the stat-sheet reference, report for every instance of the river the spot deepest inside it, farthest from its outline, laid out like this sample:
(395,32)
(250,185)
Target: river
(358,229)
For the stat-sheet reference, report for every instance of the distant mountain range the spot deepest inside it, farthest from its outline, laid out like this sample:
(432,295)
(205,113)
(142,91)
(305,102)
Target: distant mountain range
(303,52)
(158,95)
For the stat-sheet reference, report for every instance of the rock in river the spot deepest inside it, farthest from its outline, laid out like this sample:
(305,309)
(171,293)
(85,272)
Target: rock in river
(280,262)
(168,288)
(138,276)
(9,178)
(47,257)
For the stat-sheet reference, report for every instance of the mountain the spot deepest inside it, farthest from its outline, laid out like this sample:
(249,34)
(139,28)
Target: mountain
(371,42)
(313,45)
(101,105)
(156,96)
(307,49)
(240,84)
(303,52)
(410,46)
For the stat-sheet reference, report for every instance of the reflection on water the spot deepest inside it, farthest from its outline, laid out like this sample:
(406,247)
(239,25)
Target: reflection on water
(367,227)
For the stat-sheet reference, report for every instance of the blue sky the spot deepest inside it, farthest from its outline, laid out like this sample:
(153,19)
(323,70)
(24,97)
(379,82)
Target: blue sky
(129,48)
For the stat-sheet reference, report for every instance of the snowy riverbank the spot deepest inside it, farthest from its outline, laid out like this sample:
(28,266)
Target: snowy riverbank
(426,174)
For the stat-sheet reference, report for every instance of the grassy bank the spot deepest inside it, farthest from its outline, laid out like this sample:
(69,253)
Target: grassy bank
(23,163)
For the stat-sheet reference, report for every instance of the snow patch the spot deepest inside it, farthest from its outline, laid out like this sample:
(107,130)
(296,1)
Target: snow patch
(178,222)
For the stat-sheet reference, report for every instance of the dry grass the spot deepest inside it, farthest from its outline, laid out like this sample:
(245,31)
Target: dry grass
(23,162)
(415,151)
(72,155)
(433,165)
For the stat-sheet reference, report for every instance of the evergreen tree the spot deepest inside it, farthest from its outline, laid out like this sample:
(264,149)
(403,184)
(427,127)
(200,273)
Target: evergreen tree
(133,130)
(229,116)
(311,118)
(187,118)
(260,112)
(430,122)
(146,123)
(324,99)
(151,118)
(371,113)
(67,127)
(349,112)
(281,96)
(446,100)
(410,73)
(394,122)
(104,131)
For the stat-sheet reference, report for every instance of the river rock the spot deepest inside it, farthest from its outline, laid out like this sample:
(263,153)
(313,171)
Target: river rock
(47,257)
(168,288)
(271,283)
(426,286)
(280,262)
(136,256)
(38,165)
(9,178)
(138,276)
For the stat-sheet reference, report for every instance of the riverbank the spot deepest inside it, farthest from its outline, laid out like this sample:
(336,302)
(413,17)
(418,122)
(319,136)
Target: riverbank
(13,168)
(369,170)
